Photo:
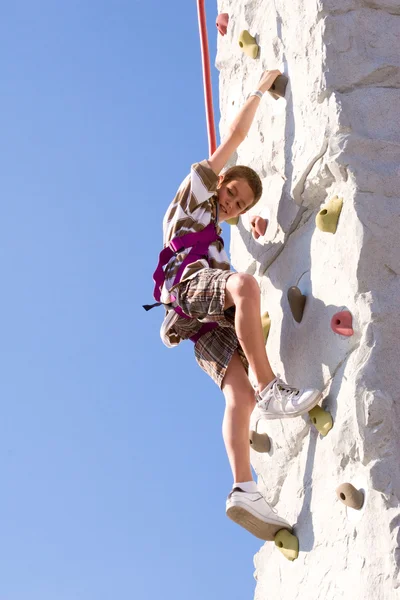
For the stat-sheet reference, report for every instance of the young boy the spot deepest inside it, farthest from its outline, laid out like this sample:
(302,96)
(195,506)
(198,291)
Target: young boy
(209,292)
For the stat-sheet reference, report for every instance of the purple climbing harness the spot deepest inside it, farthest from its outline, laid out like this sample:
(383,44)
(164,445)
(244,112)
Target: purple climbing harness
(199,242)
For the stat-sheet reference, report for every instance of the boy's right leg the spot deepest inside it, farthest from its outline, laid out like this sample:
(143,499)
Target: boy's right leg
(245,505)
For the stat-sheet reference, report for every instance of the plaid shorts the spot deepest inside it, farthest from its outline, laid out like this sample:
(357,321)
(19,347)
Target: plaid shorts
(203,299)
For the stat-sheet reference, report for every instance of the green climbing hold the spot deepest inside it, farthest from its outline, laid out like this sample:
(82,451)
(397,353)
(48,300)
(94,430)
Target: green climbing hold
(266,324)
(321,419)
(287,543)
(248,44)
(233,221)
(328,216)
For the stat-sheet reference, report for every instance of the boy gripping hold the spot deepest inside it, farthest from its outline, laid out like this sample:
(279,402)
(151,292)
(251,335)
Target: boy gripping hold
(220,311)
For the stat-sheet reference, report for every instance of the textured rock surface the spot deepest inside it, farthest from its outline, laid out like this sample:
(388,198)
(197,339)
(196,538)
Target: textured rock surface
(335,134)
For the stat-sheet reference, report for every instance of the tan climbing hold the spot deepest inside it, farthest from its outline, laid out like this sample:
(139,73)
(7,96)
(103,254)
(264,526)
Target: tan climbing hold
(327,218)
(278,88)
(297,302)
(321,419)
(248,44)
(350,496)
(233,221)
(287,543)
(266,324)
(260,442)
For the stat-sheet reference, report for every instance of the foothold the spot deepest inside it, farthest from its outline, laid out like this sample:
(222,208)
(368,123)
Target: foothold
(222,23)
(321,419)
(248,44)
(350,496)
(342,323)
(260,442)
(297,301)
(266,324)
(328,216)
(287,543)
(258,226)
(278,88)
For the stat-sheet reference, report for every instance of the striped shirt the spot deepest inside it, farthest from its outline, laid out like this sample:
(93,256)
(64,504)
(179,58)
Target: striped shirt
(193,208)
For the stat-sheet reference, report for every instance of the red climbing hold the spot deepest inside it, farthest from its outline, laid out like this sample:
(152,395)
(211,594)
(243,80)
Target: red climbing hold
(258,226)
(222,23)
(342,323)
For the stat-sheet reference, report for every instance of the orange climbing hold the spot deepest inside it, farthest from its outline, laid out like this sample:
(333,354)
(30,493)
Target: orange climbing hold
(222,23)
(342,323)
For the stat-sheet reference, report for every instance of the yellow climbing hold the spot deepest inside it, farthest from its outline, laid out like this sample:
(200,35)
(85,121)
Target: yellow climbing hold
(287,543)
(321,419)
(266,324)
(233,221)
(328,216)
(248,44)
(260,442)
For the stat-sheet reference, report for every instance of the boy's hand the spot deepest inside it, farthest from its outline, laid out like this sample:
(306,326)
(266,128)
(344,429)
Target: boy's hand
(267,79)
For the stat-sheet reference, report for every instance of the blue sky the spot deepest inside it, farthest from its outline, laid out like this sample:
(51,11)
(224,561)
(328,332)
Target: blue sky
(113,469)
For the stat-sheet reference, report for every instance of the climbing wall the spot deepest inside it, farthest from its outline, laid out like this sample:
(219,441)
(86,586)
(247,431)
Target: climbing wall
(334,137)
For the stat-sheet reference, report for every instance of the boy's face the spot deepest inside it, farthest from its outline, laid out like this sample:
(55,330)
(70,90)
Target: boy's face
(233,198)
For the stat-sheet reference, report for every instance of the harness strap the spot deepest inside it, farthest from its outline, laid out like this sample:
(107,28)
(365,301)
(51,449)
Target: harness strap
(206,327)
(199,242)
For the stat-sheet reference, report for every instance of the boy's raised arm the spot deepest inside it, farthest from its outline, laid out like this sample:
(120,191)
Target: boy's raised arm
(239,129)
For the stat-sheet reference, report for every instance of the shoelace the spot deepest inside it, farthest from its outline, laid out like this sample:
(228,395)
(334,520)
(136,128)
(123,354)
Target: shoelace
(284,387)
(281,391)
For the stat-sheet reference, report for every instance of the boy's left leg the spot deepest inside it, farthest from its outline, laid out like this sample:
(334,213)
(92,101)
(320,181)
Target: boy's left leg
(276,399)
(245,505)
(240,402)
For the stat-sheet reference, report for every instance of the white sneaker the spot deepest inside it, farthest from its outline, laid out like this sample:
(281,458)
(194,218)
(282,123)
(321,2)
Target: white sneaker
(252,511)
(281,401)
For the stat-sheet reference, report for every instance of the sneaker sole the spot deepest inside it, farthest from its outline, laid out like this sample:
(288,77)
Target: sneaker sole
(313,402)
(260,529)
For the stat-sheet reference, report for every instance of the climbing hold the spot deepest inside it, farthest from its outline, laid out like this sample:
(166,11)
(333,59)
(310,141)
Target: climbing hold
(278,88)
(350,496)
(328,216)
(248,44)
(321,419)
(342,323)
(222,23)
(258,226)
(266,324)
(233,221)
(260,442)
(297,301)
(287,543)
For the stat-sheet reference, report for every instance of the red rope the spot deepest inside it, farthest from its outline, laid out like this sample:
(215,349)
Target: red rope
(212,140)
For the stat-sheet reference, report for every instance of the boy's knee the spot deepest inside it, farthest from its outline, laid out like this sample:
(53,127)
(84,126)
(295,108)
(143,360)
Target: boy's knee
(243,286)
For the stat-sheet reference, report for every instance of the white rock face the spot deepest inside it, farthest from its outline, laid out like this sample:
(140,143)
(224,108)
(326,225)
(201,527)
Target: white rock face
(337,133)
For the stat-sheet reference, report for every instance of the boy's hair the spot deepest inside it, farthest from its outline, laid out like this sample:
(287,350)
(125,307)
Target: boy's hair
(241,172)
